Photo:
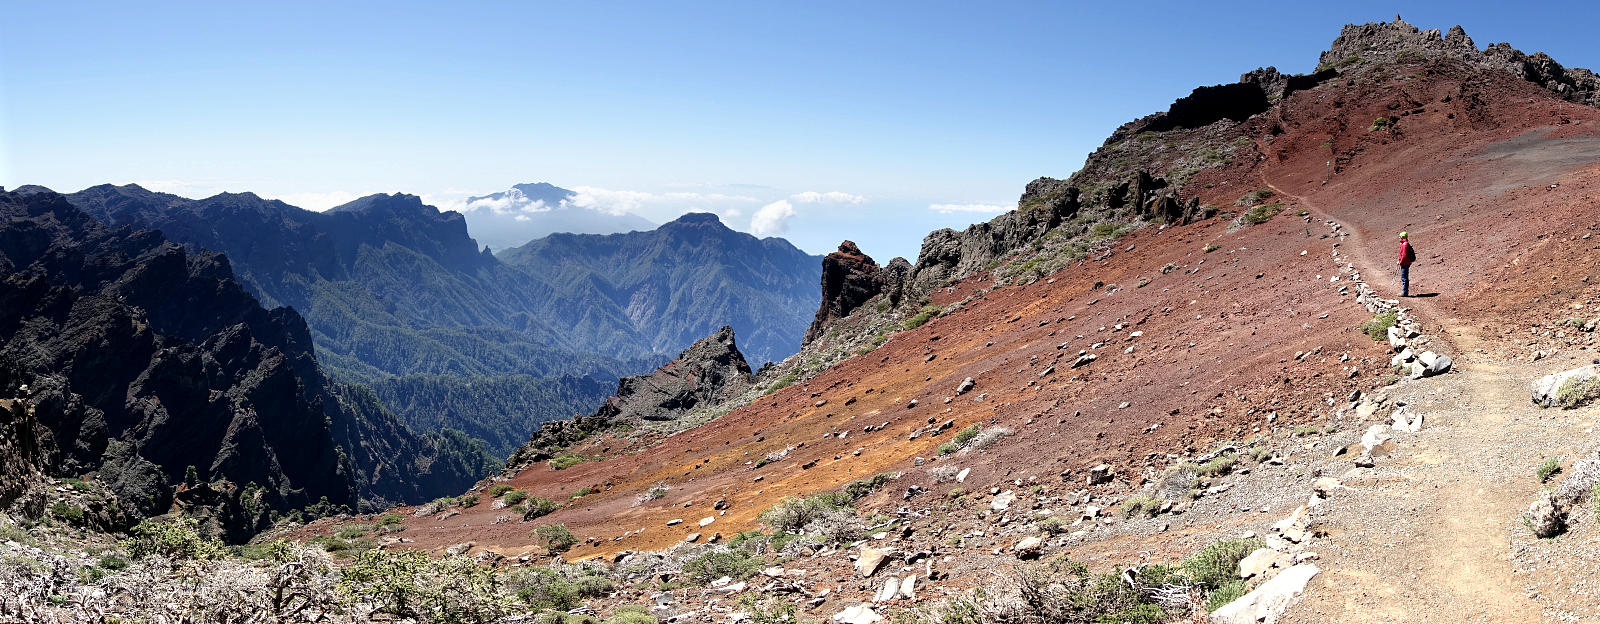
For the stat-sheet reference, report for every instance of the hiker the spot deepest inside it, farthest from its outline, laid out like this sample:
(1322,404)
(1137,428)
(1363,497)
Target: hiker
(1407,256)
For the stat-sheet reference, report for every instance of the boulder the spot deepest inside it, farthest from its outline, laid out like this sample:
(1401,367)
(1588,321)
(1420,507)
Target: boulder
(1260,561)
(965,386)
(1268,601)
(1003,501)
(1547,516)
(1547,392)
(1099,474)
(858,614)
(1028,548)
(891,590)
(870,559)
(1434,363)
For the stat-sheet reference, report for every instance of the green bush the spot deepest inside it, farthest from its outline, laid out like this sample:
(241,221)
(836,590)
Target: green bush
(70,514)
(860,488)
(352,531)
(1379,124)
(544,588)
(928,313)
(389,519)
(631,617)
(1576,391)
(1218,563)
(566,461)
(1212,247)
(966,435)
(793,514)
(178,538)
(469,500)
(1141,504)
(497,490)
(716,564)
(538,506)
(1378,327)
(555,538)
(515,496)
(1261,214)
(1225,594)
(1549,468)
(948,448)
(1220,465)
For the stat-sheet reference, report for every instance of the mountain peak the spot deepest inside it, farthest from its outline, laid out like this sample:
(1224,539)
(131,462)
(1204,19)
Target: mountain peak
(391,202)
(697,218)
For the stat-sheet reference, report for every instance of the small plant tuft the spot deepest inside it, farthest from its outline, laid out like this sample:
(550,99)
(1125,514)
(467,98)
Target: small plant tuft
(1548,468)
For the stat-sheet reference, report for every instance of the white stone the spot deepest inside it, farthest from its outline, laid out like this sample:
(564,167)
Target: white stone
(1003,501)
(858,614)
(1268,601)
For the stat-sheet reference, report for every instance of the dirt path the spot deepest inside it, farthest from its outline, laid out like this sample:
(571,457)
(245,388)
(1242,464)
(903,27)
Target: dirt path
(1425,535)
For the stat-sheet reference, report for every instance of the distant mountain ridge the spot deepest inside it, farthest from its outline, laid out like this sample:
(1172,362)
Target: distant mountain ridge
(145,359)
(399,297)
(529,211)
(685,279)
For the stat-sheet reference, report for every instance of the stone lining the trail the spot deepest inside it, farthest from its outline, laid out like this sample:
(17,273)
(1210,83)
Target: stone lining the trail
(1406,334)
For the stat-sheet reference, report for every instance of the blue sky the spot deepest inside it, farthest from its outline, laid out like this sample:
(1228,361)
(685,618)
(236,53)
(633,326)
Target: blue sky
(879,111)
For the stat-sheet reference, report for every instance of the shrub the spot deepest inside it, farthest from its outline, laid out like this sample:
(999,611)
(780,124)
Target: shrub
(1218,563)
(1550,467)
(1141,504)
(631,614)
(1378,327)
(966,435)
(928,312)
(944,473)
(555,538)
(988,437)
(70,514)
(948,448)
(497,490)
(178,538)
(1379,124)
(352,531)
(1229,592)
(566,461)
(389,518)
(656,492)
(435,506)
(1220,465)
(543,588)
(828,514)
(409,583)
(1576,391)
(538,506)
(1212,247)
(515,496)
(1261,214)
(855,490)
(715,564)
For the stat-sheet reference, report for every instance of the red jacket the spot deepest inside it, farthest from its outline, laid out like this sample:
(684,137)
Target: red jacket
(1406,253)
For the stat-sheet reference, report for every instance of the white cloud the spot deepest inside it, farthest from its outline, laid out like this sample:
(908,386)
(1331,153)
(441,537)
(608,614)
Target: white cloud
(772,218)
(991,208)
(830,197)
(608,200)
(510,202)
(315,201)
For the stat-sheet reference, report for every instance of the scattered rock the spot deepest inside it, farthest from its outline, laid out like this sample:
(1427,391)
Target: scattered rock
(1269,600)
(1099,474)
(1003,501)
(1547,391)
(1260,561)
(858,614)
(869,560)
(1029,548)
(966,386)
(1547,517)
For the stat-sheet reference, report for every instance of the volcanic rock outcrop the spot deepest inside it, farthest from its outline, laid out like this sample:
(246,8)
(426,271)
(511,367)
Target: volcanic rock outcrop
(851,278)
(710,371)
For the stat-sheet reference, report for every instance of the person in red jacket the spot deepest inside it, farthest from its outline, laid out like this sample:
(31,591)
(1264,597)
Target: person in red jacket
(1407,256)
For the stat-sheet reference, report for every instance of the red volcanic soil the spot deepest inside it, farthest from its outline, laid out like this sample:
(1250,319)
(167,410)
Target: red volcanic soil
(1494,178)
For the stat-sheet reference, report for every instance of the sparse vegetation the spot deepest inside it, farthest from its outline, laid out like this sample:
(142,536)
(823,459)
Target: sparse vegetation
(555,538)
(1141,504)
(927,313)
(1548,468)
(538,506)
(176,538)
(944,473)
(566,461)
(1212,247)
(514,497)
(496,491)
(1217,564)
(949,448)
(1378,327)
(714,564)
(966,435)
(1228,592)
(1263,213)
(1218,466)
(1379,124)
(1577,391)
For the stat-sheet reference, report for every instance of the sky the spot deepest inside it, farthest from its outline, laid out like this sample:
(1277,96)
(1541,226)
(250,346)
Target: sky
(818,121)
